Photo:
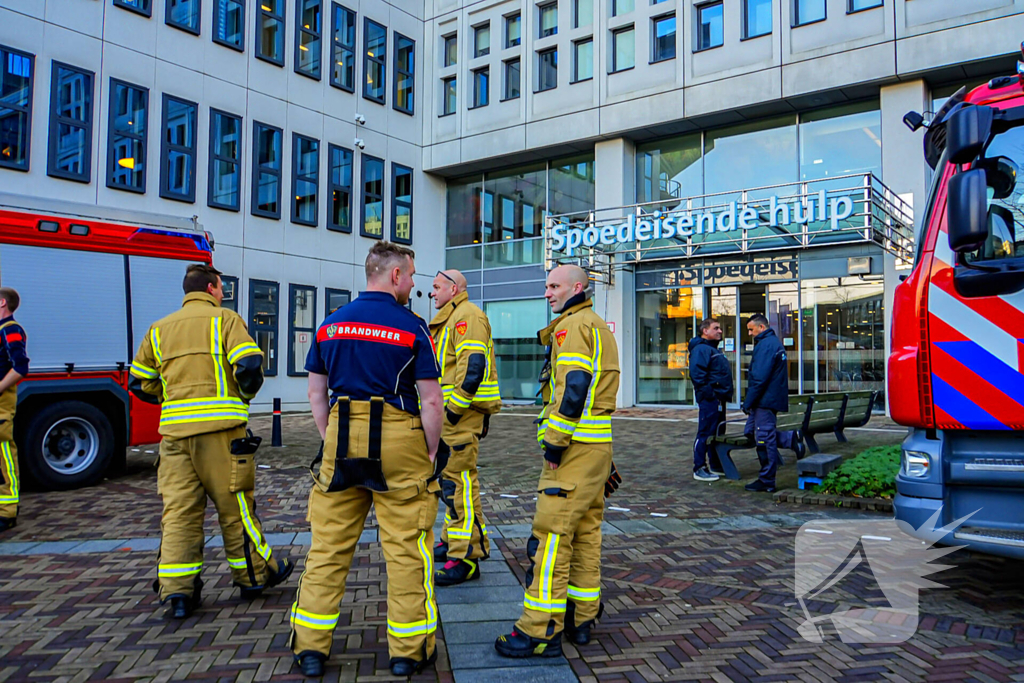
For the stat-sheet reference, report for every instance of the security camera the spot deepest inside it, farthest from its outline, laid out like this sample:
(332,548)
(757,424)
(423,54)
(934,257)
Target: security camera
(360,119)
(359,143)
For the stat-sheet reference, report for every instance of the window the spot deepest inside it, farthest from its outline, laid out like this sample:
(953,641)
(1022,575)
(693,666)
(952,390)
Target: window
(177,150)
(512,79)
(808,11)
(373,197)
(183,14)
(482,40)
(301,327)
(126,137)
(448,94)
(70,152)
(335,299)
(401,209)
(481,87)
(229,23)
(270,31)
(621,7)
(374,70)
(858,5)
(309,15)
(266,170)
(583,60)
(16,114)
(664,38)
(142,7)
(757,18)
(513,30)
(263,309)
(451,50)
(229,284)
(623,49)
(305,179)
(405,73)
(225,176)
(709,26)
(547,73)
(582,13)
(343,70)
(340,178)
(548,19)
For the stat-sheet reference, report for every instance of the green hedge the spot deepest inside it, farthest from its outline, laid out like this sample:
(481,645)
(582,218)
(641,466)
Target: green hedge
(871,474)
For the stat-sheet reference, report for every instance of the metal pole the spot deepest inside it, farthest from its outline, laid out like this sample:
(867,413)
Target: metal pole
(275,435)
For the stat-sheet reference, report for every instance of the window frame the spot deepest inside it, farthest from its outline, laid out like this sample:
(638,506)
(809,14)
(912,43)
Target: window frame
(540,19)
(850,9)
(332,187)
(185,27)
(575,60)
(398,72)
(383,61)
(745,27)
(697,24)
(257,170)
(166,148)
(271,369)
(260,14)
(56,120)
(216,25)
(395,202)
(795,7)
(213,159)
(444,49)
(654,37)
(476,33)
(296,157)
(444,95)
(299,31)
(26,110)
(337,7)
(486,72)
(110,137)
(145,11)
(328,291)
(225,279)
(366,159)
(628,28)
(517,16)
(292,329)
(504,69)
(540,59)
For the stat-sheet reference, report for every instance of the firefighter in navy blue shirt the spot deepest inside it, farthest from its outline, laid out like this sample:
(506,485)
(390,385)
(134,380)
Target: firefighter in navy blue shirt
(377,402)
(13,367)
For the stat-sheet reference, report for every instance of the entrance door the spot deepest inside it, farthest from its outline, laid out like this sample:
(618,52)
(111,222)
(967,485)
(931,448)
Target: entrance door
(723,309)
(753,299)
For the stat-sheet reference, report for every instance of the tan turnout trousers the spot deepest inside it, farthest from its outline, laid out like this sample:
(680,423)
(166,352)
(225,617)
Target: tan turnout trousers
(191,469)
(464,528)
(405,517)
(10,488)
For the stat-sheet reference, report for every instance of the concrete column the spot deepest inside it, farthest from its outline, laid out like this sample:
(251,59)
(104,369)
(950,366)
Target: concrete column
(615,187)
(904,171)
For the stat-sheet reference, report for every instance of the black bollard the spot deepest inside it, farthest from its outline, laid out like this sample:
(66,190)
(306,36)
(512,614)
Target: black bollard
(275,435)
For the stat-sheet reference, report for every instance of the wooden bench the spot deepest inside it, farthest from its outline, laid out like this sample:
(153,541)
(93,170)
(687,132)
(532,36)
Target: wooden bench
(834,412)
(720,447)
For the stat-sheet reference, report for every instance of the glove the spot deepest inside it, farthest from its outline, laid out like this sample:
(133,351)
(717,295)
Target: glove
(553,454)
(612,485)
(453,418)
(487,426)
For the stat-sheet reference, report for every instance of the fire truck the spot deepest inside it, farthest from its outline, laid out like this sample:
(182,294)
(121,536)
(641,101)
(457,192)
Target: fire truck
(91,281)
(955,370)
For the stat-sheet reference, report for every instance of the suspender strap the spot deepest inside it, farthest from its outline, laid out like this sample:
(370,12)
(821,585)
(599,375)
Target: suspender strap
(376,425)
(341,453)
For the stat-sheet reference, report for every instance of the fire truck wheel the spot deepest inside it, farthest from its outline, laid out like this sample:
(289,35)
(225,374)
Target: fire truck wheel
(68,445)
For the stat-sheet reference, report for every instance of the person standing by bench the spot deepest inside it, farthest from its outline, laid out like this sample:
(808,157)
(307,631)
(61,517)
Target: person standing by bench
(767,394)
(712,387)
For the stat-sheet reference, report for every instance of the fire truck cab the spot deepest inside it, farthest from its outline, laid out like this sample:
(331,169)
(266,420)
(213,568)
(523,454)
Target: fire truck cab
(91,282)
(955,371)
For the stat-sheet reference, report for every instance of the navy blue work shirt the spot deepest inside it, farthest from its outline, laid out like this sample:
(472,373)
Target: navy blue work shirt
(12,348)
(373,346)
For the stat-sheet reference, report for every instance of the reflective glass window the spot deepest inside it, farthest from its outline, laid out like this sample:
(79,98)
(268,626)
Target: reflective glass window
(405,70)
(266,171)
(305,179)
(301,327)
(583,13)
(583,60)
(373,197)
(229,23)
(710,28)
(757,18)
(340,217)
(71,111)
(16,70)
(374,69)
(623,49)
(512,78)
(264,303)
(270,31)
(401,219)
(308,30)
(126,138)
(547,78)
(183,14)
(343,44)
(449,94)
(669,170)
(808,11)
(481,87)
(518,357)
(621,7)
(482,40)
(548,19)
(513,30)
(667,320)
(664,38)
(225,175)
(451,50)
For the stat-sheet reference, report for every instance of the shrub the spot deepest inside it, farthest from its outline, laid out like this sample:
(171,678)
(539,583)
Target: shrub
(871,474)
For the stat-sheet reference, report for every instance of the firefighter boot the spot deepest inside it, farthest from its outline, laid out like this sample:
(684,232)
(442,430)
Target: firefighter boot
(7,523)
(284,570)
(456,572)
(519,645)
(441,552)
(579,635)
(311,663)
(182,606)
(406,666)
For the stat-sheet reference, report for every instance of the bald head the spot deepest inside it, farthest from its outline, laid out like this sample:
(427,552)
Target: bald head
(565,282)
(448,284)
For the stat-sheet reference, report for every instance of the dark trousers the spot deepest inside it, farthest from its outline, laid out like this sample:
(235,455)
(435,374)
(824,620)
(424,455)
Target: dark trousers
(708,420)
(761,423)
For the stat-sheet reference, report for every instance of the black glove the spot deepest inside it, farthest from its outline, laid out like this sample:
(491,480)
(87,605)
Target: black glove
(453,419)
(246,445)
(487,425)
(553,454)
(612,485)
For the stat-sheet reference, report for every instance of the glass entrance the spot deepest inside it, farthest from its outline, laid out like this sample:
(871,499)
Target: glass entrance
(723,309)
(752,300)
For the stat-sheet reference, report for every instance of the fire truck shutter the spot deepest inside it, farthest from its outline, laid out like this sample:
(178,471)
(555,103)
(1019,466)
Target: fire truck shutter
(156,291)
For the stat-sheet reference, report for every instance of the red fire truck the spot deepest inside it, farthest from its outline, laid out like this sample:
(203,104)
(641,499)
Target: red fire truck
(91,281)
(955,371)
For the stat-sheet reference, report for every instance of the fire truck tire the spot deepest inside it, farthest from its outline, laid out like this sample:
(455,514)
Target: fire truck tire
(67,445)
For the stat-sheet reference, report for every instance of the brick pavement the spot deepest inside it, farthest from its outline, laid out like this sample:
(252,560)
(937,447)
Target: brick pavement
(704,593)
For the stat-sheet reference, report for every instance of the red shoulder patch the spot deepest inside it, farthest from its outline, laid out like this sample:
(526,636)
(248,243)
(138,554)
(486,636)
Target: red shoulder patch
(560,336)
(461,327)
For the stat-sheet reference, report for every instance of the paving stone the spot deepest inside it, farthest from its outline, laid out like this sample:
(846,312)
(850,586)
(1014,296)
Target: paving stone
(278,539)
(469,593)
(303,538)
(609,529)
(141,544)
(465,633)
(495,564)
(494,532)
(560,673)
(483,656)
(51,547)
(489,578)
(634,526)
(749,522)
(490,611)
(214,541)
(15,548)
(368,536)
(672,524)
(97,546)
(515,530)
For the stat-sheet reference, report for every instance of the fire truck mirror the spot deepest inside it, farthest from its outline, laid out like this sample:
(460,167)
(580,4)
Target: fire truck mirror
(967,211)
(967,132)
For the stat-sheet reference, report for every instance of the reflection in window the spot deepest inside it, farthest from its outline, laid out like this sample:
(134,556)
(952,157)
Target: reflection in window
(225,160)
(230,286)
(183,14)
(143,7)
(178,172)
(1006,209)
(858,5)
(405,69)
(307,39)
(340,216)
(548,19)
(229,23)
(482,40)
(667,320)
(621,7)
(583,60)
(263,311)
(757,18)
(70,151)
(302,327)
(16,113)
(126,144)
(266,188)
(335,299)
(449,94)
(623,49)
(547,77)
(583,13)
(270,31)
(519,358)
(401,182)
(750,155)
(710,31)
(305,179)
(373,197)
(513,30)
(841,141)
(807,11)
(670,169)
(343,69)
(664,38)
(376,37)
(512,77)
(451,50)
(481,87)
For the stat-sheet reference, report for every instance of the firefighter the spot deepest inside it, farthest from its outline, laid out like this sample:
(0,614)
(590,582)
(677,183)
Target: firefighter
(376,400)
(576,434)
(462,339)
(13,368)
(203,368)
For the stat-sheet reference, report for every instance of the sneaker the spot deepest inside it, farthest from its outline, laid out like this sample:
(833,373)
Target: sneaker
(760,486)
(519,646)
(704,474)
(456,572)
(441,552)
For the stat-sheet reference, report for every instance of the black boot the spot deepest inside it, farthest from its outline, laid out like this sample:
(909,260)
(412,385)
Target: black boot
(441,552)
(760,486)
(519,645)
(579,635)
(182,606)
(7,523)
(284,569)
(311,663)
(404,666)
(456,572)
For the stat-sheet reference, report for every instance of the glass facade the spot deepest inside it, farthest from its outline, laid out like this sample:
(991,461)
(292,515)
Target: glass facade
(514,326)
(666,322)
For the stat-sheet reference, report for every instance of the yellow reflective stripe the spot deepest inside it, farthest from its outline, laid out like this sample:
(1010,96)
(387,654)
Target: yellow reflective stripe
(577,359)
(186,403)
(320,622)
(140,370)
(587,594)
(442,349)
(154,338)
(470,344)
(206,409)
(217,351)
(542,428)
(425,626)
(561,425)
(243,349)
(10,474)
(459,400)
(172,570)
(262,547)
(468,514)
(545,603)
(237,563)
(544,606)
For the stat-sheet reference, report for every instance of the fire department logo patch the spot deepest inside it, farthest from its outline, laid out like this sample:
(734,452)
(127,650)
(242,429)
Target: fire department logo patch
(331,330)
(560,336)
(461,327)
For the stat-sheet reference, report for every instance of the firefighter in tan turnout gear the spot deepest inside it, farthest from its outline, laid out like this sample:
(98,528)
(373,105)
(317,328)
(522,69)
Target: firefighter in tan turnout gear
(203,368)
(13,368)
(462,340)
(575,432)
(375,397)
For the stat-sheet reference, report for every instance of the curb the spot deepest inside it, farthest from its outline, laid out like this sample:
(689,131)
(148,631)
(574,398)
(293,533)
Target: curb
(811,498)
